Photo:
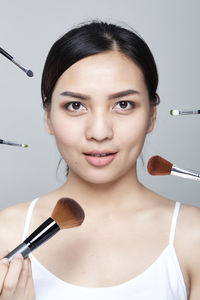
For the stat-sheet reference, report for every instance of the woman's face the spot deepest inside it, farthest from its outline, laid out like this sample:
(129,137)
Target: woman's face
(100,103)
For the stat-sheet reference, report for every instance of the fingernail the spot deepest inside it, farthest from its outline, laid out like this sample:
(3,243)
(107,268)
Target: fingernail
(5,260)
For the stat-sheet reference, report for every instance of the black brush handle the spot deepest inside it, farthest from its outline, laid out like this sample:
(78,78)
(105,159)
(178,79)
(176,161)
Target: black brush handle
(44,232)
(6,54)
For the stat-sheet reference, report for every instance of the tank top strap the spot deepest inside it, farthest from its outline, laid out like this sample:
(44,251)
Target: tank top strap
(174,221)
(28,218)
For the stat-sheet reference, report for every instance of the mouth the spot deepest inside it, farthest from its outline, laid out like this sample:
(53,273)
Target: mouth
(99,155)
(99,159)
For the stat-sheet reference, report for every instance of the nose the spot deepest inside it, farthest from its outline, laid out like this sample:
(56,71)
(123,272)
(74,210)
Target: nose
(99,127)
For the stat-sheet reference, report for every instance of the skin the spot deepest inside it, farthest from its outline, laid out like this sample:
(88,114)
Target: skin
(16,278)
(124,220)
(101,123)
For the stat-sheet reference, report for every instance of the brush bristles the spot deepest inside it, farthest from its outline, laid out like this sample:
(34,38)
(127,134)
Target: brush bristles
(29,73)
(159,166)
(68,213)
(174,112)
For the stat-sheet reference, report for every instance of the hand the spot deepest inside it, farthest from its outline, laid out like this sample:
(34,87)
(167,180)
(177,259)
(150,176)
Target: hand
(16,282)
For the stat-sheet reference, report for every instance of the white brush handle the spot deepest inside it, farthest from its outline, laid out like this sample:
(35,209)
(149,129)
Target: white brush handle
(185,173)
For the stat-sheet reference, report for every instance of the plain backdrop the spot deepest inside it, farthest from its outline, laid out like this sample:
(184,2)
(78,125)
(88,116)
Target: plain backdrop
(28,30)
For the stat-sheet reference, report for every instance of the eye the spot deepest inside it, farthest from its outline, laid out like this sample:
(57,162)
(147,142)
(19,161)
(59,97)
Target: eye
(73,106)
(126,105)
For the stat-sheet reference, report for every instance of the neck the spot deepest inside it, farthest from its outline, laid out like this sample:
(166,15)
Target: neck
(106,196)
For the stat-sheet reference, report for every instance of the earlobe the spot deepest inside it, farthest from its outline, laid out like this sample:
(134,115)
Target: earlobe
(152,119)
(48,124)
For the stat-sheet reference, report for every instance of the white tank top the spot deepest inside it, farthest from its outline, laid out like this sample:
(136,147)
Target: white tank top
(162,280)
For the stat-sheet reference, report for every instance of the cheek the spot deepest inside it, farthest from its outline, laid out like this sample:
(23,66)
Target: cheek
(66,134)
(133,132)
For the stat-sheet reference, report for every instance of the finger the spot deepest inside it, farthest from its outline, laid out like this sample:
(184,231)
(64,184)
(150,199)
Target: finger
(30,275)
(23,277)
(12,277)
(29,290)
(4,266)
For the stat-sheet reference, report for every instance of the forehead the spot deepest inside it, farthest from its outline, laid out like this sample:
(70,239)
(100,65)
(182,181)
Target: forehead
(111,68)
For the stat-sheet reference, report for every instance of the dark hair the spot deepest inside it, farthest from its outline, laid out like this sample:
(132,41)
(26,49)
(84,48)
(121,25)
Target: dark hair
(92,38)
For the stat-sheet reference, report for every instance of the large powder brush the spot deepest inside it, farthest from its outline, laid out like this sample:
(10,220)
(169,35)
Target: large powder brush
(160,166)
(67,213)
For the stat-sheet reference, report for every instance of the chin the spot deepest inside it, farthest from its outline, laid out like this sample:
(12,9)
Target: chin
(105,178)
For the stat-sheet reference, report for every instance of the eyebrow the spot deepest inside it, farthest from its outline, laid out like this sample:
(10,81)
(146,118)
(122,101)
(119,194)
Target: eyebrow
(111,96)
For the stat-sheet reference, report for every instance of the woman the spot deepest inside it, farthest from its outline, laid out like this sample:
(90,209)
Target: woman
(99,94)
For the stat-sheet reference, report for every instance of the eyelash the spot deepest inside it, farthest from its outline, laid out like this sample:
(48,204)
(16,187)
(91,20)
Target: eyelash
(66,106)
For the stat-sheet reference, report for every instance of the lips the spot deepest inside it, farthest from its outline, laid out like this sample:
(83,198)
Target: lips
(100,152)
(100,158)
(99,155)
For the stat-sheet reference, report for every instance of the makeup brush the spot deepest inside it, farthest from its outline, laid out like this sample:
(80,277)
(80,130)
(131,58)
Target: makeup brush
(67,213)
(28,72)
(13,144)
(175,112)
(160,166)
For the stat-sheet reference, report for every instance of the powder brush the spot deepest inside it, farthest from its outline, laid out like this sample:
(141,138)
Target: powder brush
(67,213)
(160,166)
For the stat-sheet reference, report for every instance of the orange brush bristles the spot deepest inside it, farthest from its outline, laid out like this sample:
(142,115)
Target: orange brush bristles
(68,213)
(159,166)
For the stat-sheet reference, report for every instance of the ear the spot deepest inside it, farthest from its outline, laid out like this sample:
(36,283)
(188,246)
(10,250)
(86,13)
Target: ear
(152,119)
(47,121)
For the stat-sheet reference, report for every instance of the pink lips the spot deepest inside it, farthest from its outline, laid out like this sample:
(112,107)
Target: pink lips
(100,161)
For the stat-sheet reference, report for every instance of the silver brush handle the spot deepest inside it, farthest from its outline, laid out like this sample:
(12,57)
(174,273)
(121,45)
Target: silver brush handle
(185,173)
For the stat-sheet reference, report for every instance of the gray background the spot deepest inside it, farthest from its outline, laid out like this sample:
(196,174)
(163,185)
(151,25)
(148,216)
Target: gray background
(29,28)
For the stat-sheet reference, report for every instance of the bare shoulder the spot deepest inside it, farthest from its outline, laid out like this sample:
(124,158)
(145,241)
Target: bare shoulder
(12,221)
(188,238)
(189,223)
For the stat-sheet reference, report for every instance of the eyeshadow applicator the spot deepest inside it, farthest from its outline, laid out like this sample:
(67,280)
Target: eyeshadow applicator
(28,72)
(175,112)
(67,213)
(160,166)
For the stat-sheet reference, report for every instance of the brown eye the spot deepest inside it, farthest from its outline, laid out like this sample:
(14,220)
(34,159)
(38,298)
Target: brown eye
(72,106)
(76,105)
(123,104)
(126,105)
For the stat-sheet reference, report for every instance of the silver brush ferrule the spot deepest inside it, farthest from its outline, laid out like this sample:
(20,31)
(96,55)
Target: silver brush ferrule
(19,65)
(11,143)
(22,248)
(188,112)
(185,173)
(28,72)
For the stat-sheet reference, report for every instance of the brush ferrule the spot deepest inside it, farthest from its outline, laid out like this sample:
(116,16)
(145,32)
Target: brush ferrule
(44,232)
(19,65)
(22,248)
(10,143)
(188,112)
(185,173)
